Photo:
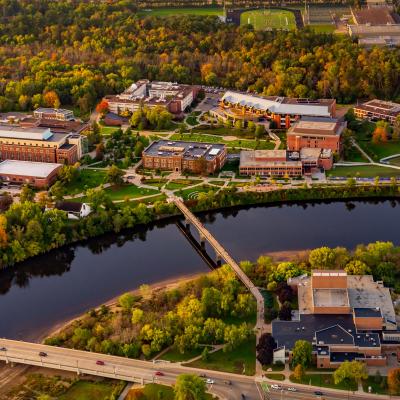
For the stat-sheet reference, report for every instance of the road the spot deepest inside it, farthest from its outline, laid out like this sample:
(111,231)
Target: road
(84,362)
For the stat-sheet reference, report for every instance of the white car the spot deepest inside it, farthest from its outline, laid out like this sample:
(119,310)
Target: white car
(276,387)
(292,389)
(209,381)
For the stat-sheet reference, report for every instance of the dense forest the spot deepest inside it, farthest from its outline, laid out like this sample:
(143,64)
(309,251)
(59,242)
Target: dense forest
(83,50)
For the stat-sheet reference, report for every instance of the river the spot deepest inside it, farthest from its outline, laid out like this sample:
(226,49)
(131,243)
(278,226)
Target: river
(42,292)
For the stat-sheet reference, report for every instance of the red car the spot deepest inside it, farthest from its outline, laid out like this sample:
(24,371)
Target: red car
(98,362)
(159,373)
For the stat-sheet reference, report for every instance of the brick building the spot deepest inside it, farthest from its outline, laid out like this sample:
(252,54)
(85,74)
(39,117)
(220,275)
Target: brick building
(345,317)
(58,114)
(36,144)
(284,111)
(184,156)
(322,133)
(375,110)
(174,97)
(36,174)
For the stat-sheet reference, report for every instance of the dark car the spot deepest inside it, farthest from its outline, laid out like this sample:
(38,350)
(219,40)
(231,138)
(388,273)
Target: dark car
(318,393)
(202,375)
(159,373)
(99,362)
(3,349)
(42,354)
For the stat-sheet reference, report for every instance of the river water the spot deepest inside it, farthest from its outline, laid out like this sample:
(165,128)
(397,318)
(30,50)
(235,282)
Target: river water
(40,293)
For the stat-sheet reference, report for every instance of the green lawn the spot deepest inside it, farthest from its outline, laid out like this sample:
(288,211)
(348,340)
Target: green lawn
(395,161)
(268,19)
(87,179)
(108,130)
(120,192)
(218,183)
(181,183)
(174,355)
(224,131)
(324,380)
(277,377)
(239,143)
(363,171)
(167,12)
(192,193)
(323,28)
(85,390)
(376,388)
(155,182)
(241,360)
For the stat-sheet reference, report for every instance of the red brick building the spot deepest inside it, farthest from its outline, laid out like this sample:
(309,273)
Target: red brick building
(36,144)
(36,174)
(322,133)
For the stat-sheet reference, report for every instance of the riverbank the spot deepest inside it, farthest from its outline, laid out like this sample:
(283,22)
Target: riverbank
(107,217)
(167,284)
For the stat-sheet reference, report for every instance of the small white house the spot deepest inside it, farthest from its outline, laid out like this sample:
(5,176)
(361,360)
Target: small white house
(74,210)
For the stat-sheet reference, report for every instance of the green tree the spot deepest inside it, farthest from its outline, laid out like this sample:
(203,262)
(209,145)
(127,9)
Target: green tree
(27,194)
(350,371)
(357,267)
(126,301)
(260,131)
(302,353)
(114,175)
(57,191)
(393,381)
(190,387)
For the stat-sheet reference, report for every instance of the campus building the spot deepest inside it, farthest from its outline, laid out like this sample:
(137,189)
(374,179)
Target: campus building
(323,133)
(345,317)
(36,174)
(184,156)
(284,163)
(58,114)
(375,110)
(38,144)
(176,98)
(377,26)
(282,110)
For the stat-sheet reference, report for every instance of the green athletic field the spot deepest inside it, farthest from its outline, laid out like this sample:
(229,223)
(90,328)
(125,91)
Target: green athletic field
(166,12)
(268,19)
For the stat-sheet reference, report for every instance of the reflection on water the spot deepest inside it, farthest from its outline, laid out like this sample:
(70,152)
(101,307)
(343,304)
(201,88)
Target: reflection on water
(56,286)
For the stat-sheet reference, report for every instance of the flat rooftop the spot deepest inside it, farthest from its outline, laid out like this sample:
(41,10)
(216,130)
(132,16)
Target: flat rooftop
(365,312)
(335,334)
(27,168)
(286,333)
(330,298)
(268,159)
(365,293)
(17,132)
(374,30)
(48,110)
(374,16)
(380,106)
(281,105)
(317,126)
(188,150)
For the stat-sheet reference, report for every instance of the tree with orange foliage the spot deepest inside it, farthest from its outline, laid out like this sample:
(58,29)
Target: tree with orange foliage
(102,107)
(3,233)
(51,99)
(393,381)
(381,131)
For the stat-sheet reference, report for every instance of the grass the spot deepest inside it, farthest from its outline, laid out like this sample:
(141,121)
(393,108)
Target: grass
(120,192)
(167,12)
(395,161)
(181,183)
(149,200)
(355,156)
(239,143)
(87,179)
(218,183)
(241,360)
(325,380)
(154,391)
(108,130)
(155,182)
(85,390)
(363,171)
(174,355)
(277,377)
(191,194)
(274,367)
(323,28)
(376,388)
(268,19)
